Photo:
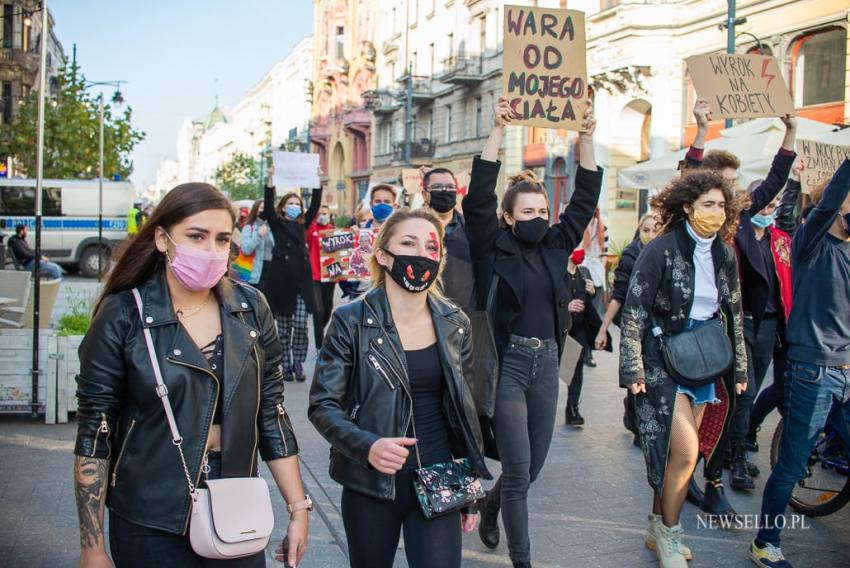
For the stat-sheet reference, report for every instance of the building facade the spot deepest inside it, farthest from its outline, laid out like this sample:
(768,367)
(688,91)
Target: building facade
(341,125)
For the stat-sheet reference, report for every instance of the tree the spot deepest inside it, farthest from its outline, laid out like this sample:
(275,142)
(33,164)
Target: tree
(71,133)
(240,177)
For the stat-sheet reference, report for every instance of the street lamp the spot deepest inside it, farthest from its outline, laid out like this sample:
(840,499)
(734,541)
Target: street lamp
(117,100)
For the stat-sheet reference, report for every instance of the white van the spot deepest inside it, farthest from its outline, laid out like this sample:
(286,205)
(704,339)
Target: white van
(69,217)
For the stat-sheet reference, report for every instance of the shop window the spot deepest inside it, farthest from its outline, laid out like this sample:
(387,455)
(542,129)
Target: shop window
(817,67)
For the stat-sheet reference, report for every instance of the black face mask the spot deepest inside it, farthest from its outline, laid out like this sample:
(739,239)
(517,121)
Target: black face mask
(413,273)
(261,215)
(846,217)
(531,231)
(443,201)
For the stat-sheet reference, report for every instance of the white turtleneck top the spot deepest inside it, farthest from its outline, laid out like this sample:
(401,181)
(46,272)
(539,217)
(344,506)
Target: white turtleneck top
(705,286)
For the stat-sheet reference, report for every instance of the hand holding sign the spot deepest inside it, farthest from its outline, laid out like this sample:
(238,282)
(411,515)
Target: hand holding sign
(740,86)
(503,113)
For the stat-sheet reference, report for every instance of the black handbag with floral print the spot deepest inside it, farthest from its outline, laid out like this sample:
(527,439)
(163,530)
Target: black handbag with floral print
(446,486)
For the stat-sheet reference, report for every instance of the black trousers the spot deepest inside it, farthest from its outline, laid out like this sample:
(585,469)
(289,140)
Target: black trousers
(324,309)
(373,527)
(574,390)
(760,351)
(135,546)
(773,395)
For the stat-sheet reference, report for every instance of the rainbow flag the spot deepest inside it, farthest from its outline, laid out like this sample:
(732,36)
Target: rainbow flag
(242,267)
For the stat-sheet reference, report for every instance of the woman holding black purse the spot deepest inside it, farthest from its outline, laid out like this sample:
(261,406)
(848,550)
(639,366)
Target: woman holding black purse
(684,280)
(390,396)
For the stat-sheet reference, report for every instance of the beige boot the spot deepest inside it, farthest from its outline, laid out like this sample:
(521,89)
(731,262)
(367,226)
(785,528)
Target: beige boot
(668,544)
(651,537)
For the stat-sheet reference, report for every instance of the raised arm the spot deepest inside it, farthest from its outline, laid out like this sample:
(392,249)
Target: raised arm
(579,212)
(480,204)
(702,116)
(100,388)
(269,196)
(811,233)
(779,170)
(788,212)
(315,204)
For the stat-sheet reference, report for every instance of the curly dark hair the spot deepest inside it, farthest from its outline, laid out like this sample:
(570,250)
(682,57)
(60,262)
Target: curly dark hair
(686,190)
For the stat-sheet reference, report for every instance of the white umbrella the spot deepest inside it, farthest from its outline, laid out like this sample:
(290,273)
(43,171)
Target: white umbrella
(839,138)
(754,143)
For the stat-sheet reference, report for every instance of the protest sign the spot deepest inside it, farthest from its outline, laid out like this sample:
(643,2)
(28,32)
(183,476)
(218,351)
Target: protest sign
(819,161)
(545,66)
(740,86)
(344,253)
(295,169)
(411,180)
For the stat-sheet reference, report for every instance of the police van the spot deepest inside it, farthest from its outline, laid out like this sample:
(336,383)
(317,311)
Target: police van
(69,218)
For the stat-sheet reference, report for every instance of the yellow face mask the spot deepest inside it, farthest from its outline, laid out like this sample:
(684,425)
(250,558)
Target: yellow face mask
(645,238)
(707,223)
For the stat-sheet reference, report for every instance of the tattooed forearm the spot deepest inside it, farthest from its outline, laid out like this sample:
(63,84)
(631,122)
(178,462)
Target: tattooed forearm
(90,477)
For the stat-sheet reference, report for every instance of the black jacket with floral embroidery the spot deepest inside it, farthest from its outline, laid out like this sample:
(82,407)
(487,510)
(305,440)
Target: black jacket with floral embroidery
(661,290)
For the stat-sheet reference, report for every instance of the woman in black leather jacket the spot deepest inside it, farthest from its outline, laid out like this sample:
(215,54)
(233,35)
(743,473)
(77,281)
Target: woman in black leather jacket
(393,362)
(220,358)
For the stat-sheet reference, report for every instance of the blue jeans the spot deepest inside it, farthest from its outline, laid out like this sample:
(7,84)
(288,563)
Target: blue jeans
(51,268)
(811,393)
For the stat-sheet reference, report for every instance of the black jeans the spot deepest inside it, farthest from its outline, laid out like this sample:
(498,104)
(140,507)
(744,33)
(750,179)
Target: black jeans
(324,309)
(526,403)
(574,390)
(373,527)
(760,350)
(773,395)
(135,546)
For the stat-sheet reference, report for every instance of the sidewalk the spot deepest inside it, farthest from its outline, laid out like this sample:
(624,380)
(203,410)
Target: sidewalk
(587,509)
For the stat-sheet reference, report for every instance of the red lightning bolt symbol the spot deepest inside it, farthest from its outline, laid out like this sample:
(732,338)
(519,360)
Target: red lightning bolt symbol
(770,77)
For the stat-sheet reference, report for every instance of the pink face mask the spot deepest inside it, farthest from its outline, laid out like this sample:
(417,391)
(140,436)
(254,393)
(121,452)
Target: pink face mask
(197,270)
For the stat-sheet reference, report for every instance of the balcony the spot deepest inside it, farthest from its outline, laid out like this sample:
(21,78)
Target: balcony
(463,71)
(380,103)
(421,90)
(28,60)
(423,148)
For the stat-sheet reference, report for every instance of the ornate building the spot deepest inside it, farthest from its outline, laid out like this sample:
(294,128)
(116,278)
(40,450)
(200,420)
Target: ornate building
(341,126)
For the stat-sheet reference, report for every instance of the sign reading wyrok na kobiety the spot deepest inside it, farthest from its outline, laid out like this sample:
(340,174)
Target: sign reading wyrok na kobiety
(740,86)
(344,253)
(545,66)
(819,161)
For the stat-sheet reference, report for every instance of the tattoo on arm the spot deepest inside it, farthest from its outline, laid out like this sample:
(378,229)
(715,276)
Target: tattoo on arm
(90,476)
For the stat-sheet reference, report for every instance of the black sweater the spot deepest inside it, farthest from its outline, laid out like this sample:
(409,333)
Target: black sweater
(819,326)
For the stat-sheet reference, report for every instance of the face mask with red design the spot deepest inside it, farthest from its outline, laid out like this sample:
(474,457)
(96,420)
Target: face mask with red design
(413,273)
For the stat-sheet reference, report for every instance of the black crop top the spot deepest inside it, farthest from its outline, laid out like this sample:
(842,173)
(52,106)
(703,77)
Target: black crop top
(212,351)
(428,386)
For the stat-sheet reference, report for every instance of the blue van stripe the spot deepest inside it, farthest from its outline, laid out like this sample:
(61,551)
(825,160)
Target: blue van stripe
(68,223)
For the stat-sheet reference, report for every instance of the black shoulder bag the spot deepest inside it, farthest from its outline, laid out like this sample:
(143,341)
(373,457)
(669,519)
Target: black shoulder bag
(696,357)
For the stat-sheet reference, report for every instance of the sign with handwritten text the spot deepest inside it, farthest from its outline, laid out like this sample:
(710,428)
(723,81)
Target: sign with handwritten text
(545,66)
(819,161)
(740,86)
(344,253)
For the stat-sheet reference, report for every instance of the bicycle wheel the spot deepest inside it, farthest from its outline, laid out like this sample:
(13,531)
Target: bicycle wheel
(826,486)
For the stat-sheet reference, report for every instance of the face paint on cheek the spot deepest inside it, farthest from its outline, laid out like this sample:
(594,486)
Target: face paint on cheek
(436,254)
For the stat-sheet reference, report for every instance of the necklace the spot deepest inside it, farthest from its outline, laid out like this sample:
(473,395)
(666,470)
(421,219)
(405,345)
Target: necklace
(183,314)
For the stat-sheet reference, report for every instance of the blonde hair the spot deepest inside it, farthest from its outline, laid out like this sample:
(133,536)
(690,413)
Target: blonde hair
(388,230)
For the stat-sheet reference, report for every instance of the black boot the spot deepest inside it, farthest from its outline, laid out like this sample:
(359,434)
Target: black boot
(522,564)
(288,374)
(488,527)
(572,416)
(741,478)
(727,455)
(588,359)
(695,495)
(751,441)
(715,502)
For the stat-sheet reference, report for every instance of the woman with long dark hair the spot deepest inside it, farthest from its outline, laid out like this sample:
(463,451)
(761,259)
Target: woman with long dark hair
(390,395)
(526,259)
(289,285)
(684,279)
(216,344)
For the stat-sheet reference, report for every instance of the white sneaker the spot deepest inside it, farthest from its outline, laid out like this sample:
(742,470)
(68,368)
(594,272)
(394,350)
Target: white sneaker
(668,543)
(652,536)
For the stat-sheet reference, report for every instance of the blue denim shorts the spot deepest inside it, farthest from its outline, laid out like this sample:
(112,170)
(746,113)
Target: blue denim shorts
(706,394)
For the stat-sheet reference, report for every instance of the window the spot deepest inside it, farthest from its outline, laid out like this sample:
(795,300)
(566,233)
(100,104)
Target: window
(431,52)
(451,46)
(449,123)
(8,26)
(482,35)
(414,17)
(21,201)
(818,62)
(478,117)
(431,127)
(394,21)
(414,62)
(7,102)
(340,42)
(605,4)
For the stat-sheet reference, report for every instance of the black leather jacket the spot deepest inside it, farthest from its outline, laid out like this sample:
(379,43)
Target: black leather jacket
(121,419)
(361,392)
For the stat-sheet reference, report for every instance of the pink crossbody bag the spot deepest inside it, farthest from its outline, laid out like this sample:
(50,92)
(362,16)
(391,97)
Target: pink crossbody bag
(231,518)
